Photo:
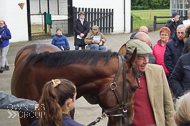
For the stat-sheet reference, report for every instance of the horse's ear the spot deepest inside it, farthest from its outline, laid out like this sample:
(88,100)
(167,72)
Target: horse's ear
(131,60)
(123,50)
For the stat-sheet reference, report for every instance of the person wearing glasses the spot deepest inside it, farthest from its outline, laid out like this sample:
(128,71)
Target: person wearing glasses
(174,49)
(5,35)
(160,47)
(173,23)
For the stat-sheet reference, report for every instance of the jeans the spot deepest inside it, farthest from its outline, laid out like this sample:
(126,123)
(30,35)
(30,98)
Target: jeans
(3,51)
(97,47)
(77,47)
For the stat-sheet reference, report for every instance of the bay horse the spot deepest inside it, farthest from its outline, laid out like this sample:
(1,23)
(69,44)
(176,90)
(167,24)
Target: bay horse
(93,73)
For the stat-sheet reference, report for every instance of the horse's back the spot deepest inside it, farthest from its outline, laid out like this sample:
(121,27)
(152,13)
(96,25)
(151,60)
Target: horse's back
(37,48)
(20,61)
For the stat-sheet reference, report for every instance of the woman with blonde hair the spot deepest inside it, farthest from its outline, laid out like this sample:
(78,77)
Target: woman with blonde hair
(182,115)
(187,34)
(58,99)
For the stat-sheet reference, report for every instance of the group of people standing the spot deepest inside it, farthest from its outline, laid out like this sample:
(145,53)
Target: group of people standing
(94,39)
(171,51)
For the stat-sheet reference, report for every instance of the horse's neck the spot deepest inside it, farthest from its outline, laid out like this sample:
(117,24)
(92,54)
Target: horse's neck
(89,78)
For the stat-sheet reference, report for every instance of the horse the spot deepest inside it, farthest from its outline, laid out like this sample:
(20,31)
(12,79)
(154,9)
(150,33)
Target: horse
(95,73)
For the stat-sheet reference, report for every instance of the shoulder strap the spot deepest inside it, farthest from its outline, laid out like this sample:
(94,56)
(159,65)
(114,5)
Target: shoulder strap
(2,31)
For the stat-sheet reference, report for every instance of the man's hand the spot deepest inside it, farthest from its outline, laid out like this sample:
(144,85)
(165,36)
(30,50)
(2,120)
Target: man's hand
(173,19)
(100,43)
(0,36)
(81,35)
(93,41)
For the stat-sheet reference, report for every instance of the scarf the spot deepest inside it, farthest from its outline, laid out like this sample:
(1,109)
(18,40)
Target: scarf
(81,20)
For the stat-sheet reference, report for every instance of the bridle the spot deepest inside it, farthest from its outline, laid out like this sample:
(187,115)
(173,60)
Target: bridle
(113,87)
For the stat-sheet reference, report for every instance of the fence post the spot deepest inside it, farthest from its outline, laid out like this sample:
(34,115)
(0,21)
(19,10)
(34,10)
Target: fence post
(71,15)
(154,23)
(131,23)
(29,21)
(112,19)
(45,25)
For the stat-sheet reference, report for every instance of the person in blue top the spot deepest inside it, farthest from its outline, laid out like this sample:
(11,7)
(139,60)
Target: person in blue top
(5,35)
(60,40)
(58,97)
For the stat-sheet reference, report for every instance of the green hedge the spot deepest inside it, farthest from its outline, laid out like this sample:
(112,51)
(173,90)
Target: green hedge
(148,7)
(149,4)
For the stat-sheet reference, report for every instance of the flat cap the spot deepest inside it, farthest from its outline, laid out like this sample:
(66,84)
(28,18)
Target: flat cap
(142,48)
(95,27)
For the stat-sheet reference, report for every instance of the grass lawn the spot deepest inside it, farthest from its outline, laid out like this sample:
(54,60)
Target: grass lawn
(37,29)
(142,17)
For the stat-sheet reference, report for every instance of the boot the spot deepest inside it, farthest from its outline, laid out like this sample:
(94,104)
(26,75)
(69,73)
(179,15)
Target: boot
(6,68)
(1,71)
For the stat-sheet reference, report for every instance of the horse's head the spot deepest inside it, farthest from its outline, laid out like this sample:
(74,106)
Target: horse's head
(131,68)
(119,98)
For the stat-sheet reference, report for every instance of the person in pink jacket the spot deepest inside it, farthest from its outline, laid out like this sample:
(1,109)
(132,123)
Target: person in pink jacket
(160,47)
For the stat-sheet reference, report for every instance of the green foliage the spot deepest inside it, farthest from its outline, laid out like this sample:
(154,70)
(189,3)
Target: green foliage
(149,4)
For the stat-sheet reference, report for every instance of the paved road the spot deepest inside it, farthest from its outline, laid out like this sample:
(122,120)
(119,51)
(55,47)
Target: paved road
(85,113)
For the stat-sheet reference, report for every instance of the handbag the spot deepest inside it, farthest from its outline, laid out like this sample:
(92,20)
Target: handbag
(1,39)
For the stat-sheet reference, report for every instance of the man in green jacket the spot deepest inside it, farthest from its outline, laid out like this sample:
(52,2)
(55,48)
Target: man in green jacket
(95,39)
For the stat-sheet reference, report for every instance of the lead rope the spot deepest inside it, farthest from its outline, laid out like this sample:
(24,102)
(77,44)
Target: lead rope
(98,119)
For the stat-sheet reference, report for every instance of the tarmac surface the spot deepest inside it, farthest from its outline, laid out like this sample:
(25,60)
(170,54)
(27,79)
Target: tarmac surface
(84,112)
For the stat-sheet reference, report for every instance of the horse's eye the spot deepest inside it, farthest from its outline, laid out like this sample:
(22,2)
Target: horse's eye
(134,89)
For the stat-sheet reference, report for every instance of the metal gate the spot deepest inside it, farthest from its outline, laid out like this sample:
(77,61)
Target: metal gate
(97,16)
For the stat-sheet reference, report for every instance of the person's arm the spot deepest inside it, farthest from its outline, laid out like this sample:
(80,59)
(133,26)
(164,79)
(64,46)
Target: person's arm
(8,101)
(87,29)
(75,28)
(53,41)
(168,103)
(103,38)
(168,59)
(176,79)
(88,39)
(153,57)
(67,43)
(169,24)
(7,36)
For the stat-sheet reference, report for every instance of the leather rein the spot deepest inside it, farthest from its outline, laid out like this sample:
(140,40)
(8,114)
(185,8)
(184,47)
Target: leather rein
(113,87)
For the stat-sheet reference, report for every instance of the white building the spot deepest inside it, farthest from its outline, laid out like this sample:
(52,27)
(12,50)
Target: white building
(15,18)
(17,22)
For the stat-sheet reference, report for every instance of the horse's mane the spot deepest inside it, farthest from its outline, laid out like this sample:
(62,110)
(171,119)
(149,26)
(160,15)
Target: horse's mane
(57,59)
